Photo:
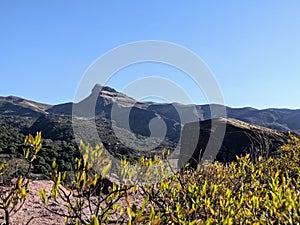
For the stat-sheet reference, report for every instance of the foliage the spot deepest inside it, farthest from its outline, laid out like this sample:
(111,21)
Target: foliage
(13,130)
(90,198)
(61,151)
(12,198)
(264,191)
(243,192)
(10,140)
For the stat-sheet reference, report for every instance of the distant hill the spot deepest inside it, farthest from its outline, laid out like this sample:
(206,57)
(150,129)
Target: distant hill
(12,105)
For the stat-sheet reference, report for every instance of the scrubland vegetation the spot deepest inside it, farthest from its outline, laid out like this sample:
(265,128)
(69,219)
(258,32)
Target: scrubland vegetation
(248,191)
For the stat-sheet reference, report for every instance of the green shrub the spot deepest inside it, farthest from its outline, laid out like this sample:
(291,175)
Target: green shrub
(266,191)
(86,199)
(12,197)
(243,192)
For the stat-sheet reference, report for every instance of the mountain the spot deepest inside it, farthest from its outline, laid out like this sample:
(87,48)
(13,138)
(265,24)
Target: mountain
(125,125)
(105,97)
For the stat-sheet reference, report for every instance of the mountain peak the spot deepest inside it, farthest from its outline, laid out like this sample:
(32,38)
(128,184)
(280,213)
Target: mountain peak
(99,88)
(109,95)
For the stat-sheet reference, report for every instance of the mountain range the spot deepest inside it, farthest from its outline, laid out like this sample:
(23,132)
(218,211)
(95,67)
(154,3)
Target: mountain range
(116,114)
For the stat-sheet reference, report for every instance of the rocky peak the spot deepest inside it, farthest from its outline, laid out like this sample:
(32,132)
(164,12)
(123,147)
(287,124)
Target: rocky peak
(110,95)
(99,88)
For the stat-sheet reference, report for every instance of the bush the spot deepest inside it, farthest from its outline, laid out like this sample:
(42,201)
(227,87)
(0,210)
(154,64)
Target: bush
(13,197)
(243,192)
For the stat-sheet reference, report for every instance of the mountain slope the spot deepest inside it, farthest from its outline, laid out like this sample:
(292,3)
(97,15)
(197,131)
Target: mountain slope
(12,105)
(130,117)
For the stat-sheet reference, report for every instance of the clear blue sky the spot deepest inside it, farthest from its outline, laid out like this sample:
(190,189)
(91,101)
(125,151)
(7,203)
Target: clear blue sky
(252,47)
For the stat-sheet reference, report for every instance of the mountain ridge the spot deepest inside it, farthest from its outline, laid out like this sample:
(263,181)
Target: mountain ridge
(104,97)
(126,126)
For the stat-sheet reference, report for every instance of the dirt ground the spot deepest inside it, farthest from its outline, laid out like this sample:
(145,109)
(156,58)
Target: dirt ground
(32,212)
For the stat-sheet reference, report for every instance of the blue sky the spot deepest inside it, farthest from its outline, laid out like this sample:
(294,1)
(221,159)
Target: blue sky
(252,47)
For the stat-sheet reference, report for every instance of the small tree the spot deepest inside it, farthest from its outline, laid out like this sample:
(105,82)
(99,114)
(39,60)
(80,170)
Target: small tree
(12,198)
